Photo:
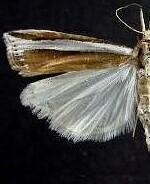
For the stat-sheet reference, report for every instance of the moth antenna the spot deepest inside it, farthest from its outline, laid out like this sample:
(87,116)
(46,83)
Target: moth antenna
(141,17)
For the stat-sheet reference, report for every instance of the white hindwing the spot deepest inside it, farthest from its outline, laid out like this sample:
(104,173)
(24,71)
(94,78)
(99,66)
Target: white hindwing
(91,104)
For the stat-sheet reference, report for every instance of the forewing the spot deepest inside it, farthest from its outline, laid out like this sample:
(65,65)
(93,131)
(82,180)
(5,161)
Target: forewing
(86,105)
(36,52)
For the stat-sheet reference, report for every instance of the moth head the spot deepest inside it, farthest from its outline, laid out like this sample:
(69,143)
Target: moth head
(146,36)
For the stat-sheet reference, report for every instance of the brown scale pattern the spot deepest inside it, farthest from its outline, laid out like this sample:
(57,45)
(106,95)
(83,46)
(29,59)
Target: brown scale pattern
(37,62)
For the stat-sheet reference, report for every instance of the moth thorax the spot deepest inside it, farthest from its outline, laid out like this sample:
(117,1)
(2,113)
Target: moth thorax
(145,43)
(146,63)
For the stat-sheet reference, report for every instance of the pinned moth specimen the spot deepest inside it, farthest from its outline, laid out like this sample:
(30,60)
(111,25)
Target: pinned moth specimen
(100,89)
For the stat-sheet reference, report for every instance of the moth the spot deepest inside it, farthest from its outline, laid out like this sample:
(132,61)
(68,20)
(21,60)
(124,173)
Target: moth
(100,89)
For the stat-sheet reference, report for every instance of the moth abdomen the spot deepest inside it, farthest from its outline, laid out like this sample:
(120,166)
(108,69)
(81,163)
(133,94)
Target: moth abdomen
(144,106)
